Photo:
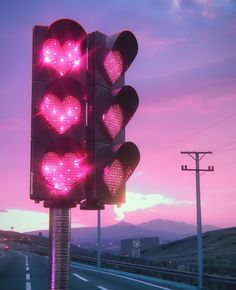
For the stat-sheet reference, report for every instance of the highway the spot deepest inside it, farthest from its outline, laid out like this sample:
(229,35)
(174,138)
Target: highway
(29,271)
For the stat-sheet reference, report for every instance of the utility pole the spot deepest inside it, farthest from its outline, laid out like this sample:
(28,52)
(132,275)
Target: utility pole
(197,156)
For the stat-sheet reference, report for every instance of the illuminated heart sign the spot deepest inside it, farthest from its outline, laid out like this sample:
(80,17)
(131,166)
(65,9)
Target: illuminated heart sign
(114,66)
(62,172)
(113,120)
(61,115)
(114,176)
(62,58)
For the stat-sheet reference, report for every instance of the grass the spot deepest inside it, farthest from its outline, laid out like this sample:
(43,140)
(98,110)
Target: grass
(219,253)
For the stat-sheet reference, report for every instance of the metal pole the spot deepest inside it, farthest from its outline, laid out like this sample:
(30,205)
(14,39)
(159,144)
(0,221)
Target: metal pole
(199,226)
(99,240)
(59,248)
(197,156)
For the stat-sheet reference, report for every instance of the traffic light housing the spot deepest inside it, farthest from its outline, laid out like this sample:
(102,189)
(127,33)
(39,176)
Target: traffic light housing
(111,105)
(58,122)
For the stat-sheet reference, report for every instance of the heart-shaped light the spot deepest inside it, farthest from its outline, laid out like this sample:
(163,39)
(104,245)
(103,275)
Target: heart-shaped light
(114,66)
(128,172)
(62,58)
(113,120)
(114,176)
(61,115)
(62,172)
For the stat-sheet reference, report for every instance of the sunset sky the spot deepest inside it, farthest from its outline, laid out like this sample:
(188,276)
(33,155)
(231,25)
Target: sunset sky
(185,76)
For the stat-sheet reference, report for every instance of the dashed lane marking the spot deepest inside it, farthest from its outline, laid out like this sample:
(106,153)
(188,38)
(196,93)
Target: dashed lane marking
(22,254)
(28,282)
(124,277)
(80,277)
(102,288)
(28,286)
(1,254)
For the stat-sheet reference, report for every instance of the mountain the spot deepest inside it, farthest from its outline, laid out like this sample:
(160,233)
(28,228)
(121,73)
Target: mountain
(112,235)
(166,230)
(126,231)
(180,228)
(118,232)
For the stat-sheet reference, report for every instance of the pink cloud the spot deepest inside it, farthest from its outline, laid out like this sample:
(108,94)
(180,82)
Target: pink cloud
(153,45)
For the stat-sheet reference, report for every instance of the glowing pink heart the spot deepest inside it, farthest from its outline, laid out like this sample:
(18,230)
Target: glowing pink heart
(62,172)
(114,66)
(113,120)
(62,58)
(128,172)
(114,176)
(61,115)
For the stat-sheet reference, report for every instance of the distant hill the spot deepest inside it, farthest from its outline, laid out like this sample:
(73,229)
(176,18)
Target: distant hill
(219,249)
(116,232)
(166,230)
(180,228)
(125,231)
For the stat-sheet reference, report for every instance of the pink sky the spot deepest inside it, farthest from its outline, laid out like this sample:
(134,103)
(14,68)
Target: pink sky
(185,75)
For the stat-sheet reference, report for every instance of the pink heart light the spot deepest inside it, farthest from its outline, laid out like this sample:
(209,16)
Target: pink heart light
(114,66)
(62,58)
(61,115)
(114,176)
(62,172)
(113,120)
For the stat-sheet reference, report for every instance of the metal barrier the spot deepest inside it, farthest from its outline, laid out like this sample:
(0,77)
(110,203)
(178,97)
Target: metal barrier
(212,282)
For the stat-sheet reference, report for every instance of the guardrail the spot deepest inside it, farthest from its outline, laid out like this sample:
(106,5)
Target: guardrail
(212,282)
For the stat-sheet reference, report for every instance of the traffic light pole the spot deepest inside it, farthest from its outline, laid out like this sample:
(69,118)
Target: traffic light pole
(99,240)
(59,248)
(197,156)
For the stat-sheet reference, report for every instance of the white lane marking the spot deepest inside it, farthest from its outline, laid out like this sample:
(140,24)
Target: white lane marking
(2,254)
(28,282)
(22,254)
(124,277)
(28,286)
(80,277)
(102,288)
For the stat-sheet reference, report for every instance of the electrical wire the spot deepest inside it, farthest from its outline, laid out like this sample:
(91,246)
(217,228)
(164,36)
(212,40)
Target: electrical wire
(197,132)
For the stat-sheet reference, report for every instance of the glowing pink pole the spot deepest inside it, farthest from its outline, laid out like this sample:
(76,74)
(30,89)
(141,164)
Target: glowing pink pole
(99,240)
(59,248)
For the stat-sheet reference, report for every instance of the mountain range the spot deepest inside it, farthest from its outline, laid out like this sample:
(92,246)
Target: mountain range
(166,230)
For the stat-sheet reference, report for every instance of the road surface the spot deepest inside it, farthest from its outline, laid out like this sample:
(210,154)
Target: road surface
(29,271)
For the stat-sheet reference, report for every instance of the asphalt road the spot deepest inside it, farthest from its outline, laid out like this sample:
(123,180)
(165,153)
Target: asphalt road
(28,271)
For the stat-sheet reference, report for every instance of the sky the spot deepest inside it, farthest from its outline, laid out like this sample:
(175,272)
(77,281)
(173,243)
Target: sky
(185,76)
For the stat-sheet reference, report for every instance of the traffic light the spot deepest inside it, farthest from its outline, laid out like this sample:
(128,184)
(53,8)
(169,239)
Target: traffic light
(58,123)
(111,104)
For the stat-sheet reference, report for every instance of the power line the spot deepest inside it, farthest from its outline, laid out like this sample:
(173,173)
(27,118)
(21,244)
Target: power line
(197,132)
